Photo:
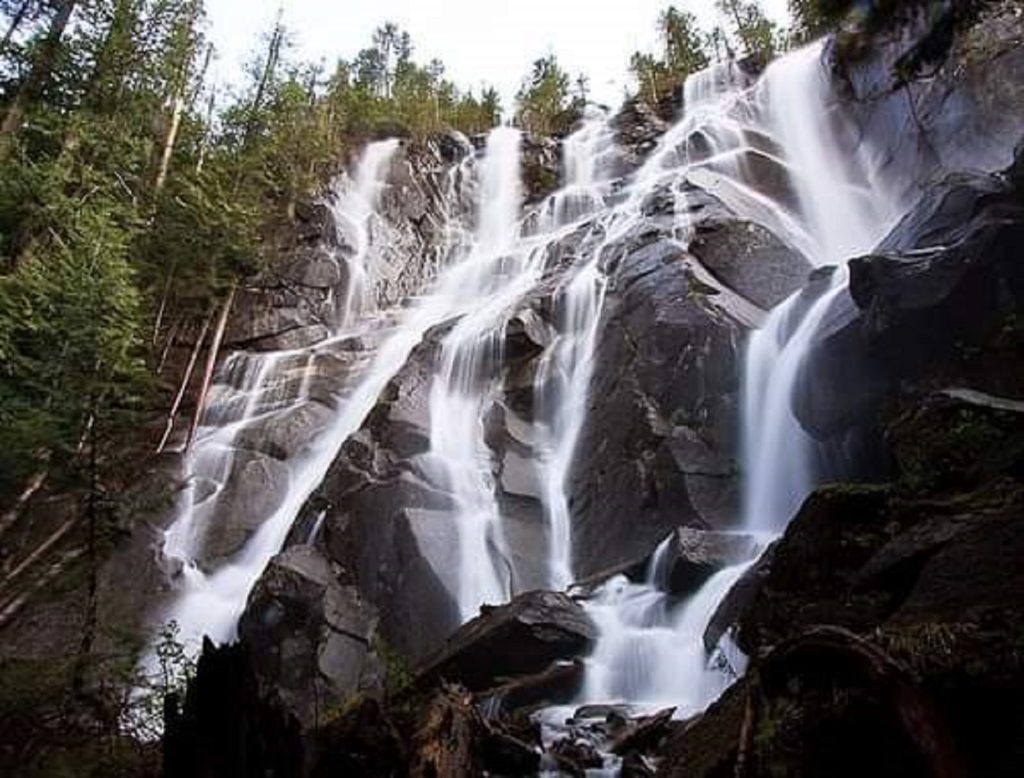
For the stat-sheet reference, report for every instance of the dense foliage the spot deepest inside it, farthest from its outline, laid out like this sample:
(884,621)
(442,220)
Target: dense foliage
(130,189)
(744,30)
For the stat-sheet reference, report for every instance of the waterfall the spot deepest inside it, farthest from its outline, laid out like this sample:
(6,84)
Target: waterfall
(847,211)
(563,376)
(253,388)
(650,650)
(469,353)
(353,205)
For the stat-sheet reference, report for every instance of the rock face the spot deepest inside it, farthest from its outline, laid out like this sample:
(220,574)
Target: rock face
(919,584)
(524,637)
(658,447)
(693,556)
(964,112)
(291,304)
(944,282)
(310,639)
(385,524)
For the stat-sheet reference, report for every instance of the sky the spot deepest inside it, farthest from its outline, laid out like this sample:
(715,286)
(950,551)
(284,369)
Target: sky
(480,41)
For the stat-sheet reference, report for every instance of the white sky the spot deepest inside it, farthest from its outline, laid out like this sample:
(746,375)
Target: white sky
(480,41)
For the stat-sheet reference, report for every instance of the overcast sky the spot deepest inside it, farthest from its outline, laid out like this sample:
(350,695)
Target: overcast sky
(480,41)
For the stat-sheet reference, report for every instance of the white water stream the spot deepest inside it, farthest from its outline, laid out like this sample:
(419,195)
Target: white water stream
(650,652)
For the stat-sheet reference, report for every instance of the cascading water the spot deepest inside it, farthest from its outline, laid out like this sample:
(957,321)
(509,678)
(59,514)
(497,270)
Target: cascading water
(846,212)
(255,387)
(650,650)
(353,206)
(459,391)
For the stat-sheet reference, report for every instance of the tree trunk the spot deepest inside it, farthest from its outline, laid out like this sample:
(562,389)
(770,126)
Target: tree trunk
(211,363)
(273,54)
(170,138)
(37,76)
(183,387)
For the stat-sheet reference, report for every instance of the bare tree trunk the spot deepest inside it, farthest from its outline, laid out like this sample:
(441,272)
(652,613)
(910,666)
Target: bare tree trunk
(170,138)
(211,363)
(40,550)
(172,336)
(273,55)
(179,90)
(37,76)
(9,608)
(34,484)
(183,387)
(204,144)
(163,305)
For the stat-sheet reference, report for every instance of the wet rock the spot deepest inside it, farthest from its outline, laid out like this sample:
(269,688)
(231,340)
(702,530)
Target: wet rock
(639,127)
(309,638)
(966,116)
(314,266)
(662,407)
(283,435)
(747,257)
(255,487)
(524,637)
(541,167)
(944,280)
(642,735)
(694,555)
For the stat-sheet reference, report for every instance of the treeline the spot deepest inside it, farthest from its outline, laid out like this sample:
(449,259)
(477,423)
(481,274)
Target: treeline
(132,188)
(743,30)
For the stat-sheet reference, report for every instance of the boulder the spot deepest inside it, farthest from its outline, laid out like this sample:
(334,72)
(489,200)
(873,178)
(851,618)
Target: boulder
(945,281)
(524,637)
(256,485)
(310,638)
(694,555)
(658,445)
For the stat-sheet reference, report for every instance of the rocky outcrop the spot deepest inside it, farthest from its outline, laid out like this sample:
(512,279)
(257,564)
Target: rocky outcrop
(888,593)
(385,524)
(524,637)
(659,442)
(693,556)
(291,304)
(935,303)
(962,112)
(310,639)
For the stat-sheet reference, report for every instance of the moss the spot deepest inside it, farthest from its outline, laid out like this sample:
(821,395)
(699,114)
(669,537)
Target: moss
(397,675)
(938,451)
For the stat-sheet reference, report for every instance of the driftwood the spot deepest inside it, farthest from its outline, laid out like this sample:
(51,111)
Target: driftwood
(922,722)
(454,740)
(211,363)
(554,686)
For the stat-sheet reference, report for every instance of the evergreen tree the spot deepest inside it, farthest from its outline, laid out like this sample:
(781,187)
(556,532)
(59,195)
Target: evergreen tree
(758,35)
(685,50)
(544,103)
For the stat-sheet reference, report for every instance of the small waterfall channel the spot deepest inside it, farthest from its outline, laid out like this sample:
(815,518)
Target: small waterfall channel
(252,388)
(650,654)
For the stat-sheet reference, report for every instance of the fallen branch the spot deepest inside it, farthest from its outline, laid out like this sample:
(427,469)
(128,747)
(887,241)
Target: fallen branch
(185,380)
(211,363)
